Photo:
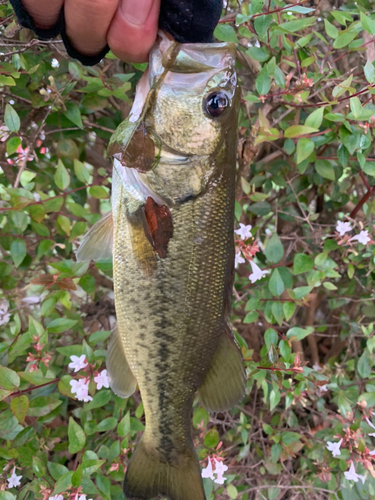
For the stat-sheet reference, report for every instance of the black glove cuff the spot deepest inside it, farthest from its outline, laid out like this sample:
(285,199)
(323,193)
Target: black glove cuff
(26,21)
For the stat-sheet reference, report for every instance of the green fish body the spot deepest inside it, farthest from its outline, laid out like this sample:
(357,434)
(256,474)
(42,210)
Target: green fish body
(171,237)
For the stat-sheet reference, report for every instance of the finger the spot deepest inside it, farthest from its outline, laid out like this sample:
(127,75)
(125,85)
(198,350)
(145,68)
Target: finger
(133,30)
(44,12)
(87,23)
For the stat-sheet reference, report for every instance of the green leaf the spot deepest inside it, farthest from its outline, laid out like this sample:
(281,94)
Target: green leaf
(299,333)
(367,23)
(289,437)
(77,438)
(344,39)
(42,405)
(297,130)
(365,364)
(107,424)
(304,149)
(279,77)
(18,251)
(276,284)
(123,428)
(87,282)
(343,155)
(275,397)
(98,192)
(261,25)
(302,263)
(56,470)
(369,71)
(356,107)
(274,249)
(369,168)
(81,171)
(325,169)
(251,317)
(9,379)
(100,399)
(225,33)
(271,337)
(62,177)
(297,25)
(331,30)
(19,407)
(315,119)
(59,325)
(73,114)
(11,118)
(211,439)
(263,82)
(13,144)
(63,483)
(258,53)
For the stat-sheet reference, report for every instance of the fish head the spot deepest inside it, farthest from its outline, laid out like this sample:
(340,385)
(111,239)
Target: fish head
(195,98)
(181,132)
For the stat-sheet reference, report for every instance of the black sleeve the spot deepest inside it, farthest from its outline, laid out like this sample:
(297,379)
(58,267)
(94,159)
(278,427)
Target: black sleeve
(188,21)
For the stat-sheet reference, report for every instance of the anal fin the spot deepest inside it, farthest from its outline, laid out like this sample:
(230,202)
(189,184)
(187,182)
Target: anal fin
(98,241)
(120,376)
(224,384)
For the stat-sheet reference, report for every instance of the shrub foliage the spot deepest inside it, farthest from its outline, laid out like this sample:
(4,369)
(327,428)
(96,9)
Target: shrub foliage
(306,180)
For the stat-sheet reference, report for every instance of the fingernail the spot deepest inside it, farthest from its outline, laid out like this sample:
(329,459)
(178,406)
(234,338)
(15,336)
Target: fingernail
(136,11)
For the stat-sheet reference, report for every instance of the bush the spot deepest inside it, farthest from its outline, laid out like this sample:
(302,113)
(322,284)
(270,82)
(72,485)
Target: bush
(304,319)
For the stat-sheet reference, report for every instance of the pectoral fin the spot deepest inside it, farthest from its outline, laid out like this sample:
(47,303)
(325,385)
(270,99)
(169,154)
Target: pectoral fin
(224,384)
(98,241)
(121,378)
(141,242)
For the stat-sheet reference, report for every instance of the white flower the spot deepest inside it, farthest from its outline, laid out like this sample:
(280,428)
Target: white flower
(220,468)
(238,259)
(369,423)
(317,367)
(4,315)
(323,388)
(81,389)
(244,231)
(81,497)
(56,497)
(78,363)
(372,453)
(14,480)
(208,472)
(257,273)
(362,237)
(343,227)
(352,475)
(334,448)
(101,380)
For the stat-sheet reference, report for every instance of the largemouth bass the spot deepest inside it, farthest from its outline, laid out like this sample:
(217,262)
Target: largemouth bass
(171,237)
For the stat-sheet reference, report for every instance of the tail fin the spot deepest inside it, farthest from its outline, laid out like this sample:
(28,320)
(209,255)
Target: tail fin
(148,476)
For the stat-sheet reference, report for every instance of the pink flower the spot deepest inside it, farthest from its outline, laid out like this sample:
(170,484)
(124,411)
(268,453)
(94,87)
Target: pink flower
(80,387)
(101,380)
(362,237)
(78,363)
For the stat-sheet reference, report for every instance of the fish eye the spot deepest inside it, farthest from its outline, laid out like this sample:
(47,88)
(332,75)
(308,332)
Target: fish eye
(216,103)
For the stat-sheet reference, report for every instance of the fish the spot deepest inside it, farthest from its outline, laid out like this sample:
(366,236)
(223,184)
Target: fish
(170,234)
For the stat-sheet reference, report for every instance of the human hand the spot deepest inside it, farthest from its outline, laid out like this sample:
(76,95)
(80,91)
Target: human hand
(129,27)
